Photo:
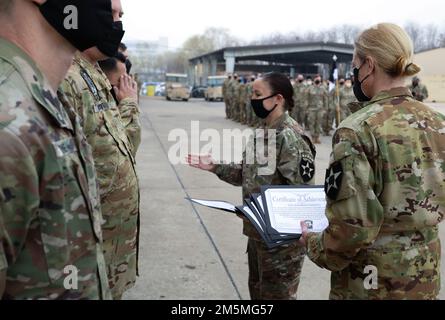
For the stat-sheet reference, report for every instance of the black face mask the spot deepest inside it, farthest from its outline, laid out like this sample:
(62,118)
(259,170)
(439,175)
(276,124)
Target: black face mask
(94,21)
(358,91)
(109,45)
(258,107)
(300,81)
(317,82)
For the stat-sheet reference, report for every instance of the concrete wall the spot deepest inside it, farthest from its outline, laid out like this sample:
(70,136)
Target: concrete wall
(433,72)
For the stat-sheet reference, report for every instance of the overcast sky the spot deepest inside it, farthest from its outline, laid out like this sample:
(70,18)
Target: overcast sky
(252,19)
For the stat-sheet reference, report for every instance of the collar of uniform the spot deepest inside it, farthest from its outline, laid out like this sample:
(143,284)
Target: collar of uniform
(37,83)
(388,94)
(278,122)
(84,63)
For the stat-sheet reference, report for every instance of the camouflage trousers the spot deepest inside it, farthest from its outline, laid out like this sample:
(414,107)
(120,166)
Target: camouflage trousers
(315,119)
(274,274)
(328,120)
(236,111)
(120,209)
(249,114)
(226,103)
(299,114)
(242,116)
(232,109)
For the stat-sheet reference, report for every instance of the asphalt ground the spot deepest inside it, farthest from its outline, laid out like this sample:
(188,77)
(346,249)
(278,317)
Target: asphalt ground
(188,252)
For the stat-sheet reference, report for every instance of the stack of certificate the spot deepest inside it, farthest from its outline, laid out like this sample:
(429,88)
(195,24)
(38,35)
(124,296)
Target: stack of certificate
(277,211)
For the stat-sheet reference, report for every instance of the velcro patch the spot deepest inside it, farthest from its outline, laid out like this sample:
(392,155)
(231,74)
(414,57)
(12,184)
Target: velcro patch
(307,169)
(334,178)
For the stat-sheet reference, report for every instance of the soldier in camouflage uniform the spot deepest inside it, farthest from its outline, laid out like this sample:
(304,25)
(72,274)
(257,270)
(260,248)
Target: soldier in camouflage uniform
(50,215)
(225,88)
(330,114)
(419,91)
(299,112)
(108,129)
(346,98)
(273,274)
(316,103)
(385,185)
(236,99)
(231,95)
(242,101)
(249,111)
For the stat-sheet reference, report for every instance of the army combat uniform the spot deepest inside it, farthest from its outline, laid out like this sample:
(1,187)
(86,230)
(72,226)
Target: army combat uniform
(225,96)
(274,274)
(249,110)
(346,98)
(49,211)
(316,104)
(242,93)
(385,191)
(88,92)
(299,113)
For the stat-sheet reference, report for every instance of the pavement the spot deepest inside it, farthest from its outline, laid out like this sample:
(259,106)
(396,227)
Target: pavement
(189,252)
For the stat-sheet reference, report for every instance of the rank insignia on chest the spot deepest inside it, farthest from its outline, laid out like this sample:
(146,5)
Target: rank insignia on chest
(101,107)
(334,177)
(307,169)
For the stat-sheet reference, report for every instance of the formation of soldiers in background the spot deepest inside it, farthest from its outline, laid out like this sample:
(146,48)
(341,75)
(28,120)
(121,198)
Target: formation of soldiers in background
(315,105)
(319,107)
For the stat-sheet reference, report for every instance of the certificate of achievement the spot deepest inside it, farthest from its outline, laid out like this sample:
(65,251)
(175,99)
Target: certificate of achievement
(277,212)
(288,206)
(220,205)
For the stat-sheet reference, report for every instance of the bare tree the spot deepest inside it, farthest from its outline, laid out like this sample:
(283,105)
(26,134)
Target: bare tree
(221,38)
(416,34)
(348,33)
(431,36)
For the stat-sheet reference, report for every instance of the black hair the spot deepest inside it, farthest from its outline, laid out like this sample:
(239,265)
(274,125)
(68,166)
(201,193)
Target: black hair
(122,46)
(110,64)
(280,84)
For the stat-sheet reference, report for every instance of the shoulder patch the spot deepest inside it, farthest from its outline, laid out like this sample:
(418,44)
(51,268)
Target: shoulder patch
(307,169)
(334,178)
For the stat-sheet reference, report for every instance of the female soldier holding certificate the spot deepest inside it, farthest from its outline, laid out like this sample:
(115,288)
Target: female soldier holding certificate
(273,274)
(386,182)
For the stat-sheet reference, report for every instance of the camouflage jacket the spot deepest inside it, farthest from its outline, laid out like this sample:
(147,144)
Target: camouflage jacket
(225,87)
(88,93)
(49,214)
(346,97)
(294,153)
(385,191)
(242,93)
(316,97)
(249,92)
(299,94)
(232,89)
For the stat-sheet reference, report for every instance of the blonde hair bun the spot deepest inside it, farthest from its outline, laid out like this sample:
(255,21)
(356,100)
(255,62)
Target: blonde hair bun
(391,47)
